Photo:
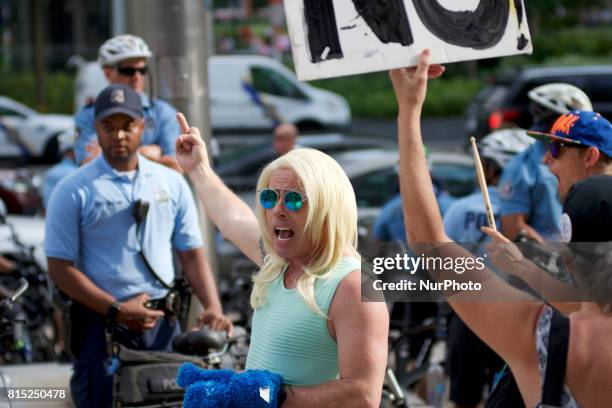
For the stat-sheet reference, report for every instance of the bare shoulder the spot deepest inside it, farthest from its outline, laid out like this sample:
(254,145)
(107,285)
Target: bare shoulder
(589,361)
(347,300)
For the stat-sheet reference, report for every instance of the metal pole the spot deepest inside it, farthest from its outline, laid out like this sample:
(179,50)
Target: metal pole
(117,17)
(39,53)
(177,32)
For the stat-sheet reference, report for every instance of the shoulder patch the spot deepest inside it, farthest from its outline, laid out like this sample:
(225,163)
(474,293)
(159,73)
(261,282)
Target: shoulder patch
(506,190)
(565,228)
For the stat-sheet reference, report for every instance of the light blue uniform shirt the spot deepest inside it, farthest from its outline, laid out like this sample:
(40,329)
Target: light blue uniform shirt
(161,127)
(89,221)
(389,226)
(465,216)
(528,187)
(54,175)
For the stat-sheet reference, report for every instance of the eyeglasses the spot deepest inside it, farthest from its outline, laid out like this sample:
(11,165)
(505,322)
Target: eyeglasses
(131,71)
(554,147)
(294,200)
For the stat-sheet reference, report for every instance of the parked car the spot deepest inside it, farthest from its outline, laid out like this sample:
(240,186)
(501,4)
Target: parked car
(36,132)
(240,168)
(20,191)
(233,104)
(505,100)
(374,176)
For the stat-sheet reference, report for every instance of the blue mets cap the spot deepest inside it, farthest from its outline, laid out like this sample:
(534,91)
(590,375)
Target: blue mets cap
(580,128)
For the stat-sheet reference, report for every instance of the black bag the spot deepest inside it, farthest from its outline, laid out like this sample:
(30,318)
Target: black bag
(148,378)
(506,393)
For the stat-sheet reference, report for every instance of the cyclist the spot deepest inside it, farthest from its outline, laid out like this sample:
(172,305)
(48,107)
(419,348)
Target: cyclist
(124,61)
(529,202)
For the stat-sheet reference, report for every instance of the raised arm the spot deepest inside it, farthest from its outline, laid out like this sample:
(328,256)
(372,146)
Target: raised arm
(228,212)
(507,327)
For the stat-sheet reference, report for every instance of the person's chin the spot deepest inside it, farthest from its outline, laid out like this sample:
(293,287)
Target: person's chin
(284,248)
(123,156)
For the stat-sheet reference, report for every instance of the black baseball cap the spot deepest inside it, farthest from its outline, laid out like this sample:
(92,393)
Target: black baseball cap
(589,208)
(118,98)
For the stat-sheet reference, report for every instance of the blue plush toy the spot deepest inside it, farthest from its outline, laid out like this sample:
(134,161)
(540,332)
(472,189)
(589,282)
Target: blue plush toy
(227,389)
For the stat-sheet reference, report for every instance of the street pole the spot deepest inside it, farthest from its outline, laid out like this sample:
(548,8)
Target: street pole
(178,32)
(39,53)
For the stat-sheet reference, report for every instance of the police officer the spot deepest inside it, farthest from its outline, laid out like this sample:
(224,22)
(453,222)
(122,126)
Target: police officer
(465,217)
(529,203)
(111,257)
(124,61)
(389,225)
(471,363)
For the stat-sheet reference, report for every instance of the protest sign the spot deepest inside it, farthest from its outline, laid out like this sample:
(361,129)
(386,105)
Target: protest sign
(333,38)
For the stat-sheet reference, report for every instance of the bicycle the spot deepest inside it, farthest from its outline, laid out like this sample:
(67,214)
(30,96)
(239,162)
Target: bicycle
(14,341)
(148,378)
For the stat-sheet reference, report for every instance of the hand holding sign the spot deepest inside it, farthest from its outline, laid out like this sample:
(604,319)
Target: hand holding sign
(410,84)
(190,148)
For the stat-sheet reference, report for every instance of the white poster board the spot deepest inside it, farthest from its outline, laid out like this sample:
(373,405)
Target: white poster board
(331,38)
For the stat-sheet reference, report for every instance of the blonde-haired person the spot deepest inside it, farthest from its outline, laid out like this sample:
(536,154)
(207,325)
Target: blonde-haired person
(520,331)
(309,324)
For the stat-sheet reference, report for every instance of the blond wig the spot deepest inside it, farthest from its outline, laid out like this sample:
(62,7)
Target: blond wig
(331,222)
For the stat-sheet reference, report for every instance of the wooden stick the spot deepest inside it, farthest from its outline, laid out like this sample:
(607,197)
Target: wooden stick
(483,185)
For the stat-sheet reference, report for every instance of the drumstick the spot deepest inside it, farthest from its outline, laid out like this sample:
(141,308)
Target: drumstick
(483,185)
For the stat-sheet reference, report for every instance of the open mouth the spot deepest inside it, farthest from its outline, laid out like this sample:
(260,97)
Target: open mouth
(283,233)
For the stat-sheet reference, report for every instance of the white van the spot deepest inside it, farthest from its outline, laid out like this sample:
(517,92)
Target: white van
(248,92)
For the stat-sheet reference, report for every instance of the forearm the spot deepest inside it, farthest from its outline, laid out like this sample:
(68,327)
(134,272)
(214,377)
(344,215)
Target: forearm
(80,288)
(338,393)
(6,266)
(201,279)
(513,224)
(422,217)
(228,212)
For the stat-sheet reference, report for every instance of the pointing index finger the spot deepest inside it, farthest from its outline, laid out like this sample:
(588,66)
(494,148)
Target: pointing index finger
(182,122)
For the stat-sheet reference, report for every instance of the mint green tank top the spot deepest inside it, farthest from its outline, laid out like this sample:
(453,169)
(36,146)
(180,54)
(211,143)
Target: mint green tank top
(289,339)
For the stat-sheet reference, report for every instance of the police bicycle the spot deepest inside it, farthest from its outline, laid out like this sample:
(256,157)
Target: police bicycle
(148,378)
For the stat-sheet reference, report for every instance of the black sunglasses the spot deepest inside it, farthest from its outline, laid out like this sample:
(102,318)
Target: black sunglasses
(130,71)
(554,147)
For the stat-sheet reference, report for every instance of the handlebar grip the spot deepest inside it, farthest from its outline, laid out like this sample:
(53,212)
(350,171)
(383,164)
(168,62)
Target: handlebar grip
(23,286)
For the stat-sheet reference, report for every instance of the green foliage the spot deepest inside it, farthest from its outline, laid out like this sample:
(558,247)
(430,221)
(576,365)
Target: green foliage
(371,95)
(578,40)
(59,90)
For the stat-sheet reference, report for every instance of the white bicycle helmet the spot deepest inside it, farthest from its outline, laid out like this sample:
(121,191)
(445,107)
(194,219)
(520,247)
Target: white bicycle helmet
(502,145)
(123,47)
(560,98)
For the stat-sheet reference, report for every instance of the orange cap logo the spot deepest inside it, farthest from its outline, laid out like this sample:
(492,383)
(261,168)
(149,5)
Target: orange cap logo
(564,123)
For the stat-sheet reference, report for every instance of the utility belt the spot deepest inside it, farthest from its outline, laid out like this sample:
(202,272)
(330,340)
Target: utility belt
(78,319)
(175,304)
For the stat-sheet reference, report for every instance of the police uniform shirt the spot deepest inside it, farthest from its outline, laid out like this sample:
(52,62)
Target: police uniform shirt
(89,221)
(528,187)
(465,216)
(161,127)
(389,226)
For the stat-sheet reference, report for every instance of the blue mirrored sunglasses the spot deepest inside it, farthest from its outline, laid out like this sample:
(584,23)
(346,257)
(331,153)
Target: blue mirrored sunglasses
(294,200)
